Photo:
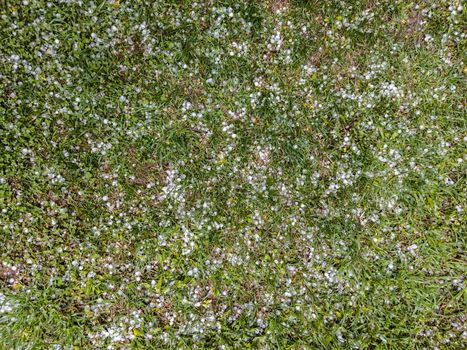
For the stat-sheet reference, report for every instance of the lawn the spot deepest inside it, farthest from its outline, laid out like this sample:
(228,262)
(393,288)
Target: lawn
(210,174)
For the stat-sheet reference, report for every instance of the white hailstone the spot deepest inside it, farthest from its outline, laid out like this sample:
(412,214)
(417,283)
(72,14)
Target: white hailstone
(448,181)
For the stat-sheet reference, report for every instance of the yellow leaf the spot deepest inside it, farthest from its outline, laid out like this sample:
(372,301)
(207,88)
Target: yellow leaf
(137,332)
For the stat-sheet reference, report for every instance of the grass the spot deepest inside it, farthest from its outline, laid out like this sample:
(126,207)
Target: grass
(232,174)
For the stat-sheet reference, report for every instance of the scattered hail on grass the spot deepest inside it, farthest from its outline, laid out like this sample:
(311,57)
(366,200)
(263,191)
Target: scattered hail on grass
(231,174)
